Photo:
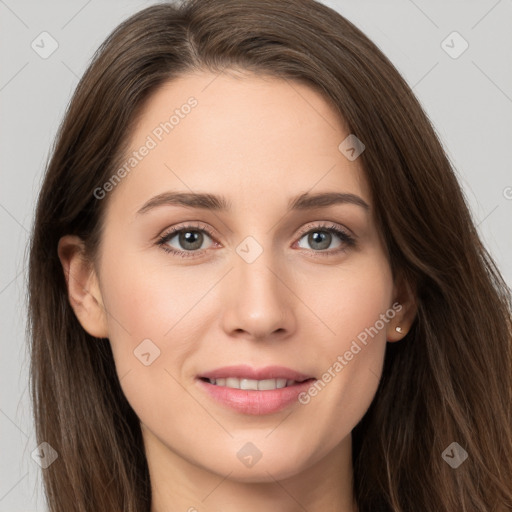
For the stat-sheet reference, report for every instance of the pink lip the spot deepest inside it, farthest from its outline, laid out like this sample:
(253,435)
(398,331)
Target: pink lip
(252,401)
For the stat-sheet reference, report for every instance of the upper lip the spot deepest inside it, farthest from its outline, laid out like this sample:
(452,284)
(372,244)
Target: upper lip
(247,372)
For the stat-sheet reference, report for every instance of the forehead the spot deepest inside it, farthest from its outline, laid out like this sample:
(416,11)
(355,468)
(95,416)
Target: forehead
(243,134)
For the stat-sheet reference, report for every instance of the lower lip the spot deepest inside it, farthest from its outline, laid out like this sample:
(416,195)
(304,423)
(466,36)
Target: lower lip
(256,402)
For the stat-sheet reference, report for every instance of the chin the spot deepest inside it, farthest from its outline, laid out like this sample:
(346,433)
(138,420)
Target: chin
(260,473)
(279,464)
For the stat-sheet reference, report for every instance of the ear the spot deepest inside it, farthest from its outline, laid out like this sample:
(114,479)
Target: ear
(405,307)
(83,286)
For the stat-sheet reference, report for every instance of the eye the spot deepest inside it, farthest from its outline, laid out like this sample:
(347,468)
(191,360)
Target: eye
(322,236)
(189,241)
(185,241)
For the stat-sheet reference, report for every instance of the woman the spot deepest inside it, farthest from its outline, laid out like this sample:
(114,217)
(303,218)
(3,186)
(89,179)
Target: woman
(335,337)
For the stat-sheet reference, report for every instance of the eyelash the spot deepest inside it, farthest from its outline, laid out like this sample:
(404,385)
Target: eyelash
(168,235)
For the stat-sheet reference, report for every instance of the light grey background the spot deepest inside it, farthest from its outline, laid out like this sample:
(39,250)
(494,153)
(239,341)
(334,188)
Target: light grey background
(469,100)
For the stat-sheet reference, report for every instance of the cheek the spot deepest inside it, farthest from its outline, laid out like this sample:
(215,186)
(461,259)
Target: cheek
(156,320)
(358,309)
(151,338)
(350,301)
(145,298)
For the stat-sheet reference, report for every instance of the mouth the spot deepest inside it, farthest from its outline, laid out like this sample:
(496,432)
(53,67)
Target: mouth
(254,391)
(253,384)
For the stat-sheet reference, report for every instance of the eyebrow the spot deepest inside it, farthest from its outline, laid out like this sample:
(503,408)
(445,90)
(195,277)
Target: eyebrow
(213,202)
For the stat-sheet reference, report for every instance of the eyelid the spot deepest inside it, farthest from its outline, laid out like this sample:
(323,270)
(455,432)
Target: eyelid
(325,225)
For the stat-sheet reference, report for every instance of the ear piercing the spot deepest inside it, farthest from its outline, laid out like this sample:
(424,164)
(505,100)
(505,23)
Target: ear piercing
(398,329)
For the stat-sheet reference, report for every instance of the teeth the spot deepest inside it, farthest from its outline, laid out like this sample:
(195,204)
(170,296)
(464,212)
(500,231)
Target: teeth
(280,383)
(251,384)
(233,383)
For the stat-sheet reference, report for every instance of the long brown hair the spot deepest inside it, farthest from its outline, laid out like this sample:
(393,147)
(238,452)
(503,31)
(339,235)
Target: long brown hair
(449,380)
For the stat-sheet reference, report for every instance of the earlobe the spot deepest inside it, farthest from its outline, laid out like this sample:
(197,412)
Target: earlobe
(405,314)
(83,287)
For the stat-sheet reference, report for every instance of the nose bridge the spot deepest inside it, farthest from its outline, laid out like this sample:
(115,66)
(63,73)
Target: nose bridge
(259,302)
(254,270)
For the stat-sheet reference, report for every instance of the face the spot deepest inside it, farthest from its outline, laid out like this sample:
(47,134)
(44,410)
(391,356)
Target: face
(260,287)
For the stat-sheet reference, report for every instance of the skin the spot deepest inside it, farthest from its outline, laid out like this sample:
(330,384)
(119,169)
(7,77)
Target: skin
(258,141)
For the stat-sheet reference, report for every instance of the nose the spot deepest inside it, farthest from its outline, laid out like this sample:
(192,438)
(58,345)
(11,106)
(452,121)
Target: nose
(259,302)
